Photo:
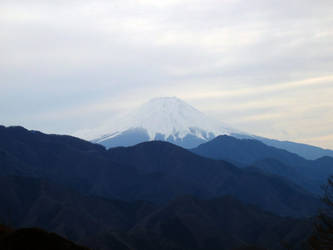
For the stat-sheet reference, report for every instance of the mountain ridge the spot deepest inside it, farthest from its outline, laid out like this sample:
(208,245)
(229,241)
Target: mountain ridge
(184,223)
(172,171)
(310,174)
(163,118)
(171,119)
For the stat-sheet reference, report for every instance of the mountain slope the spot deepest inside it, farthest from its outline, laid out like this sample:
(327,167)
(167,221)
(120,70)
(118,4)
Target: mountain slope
(155,171)
(185,223)
(244,151)
(31,202)
(248,152)
(34,238)
(213,178)
(66,160)
(171,119)
(223,223)
(167,118)
(308,152)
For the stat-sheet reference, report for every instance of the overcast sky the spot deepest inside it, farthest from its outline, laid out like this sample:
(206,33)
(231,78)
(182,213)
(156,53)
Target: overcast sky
(262,66)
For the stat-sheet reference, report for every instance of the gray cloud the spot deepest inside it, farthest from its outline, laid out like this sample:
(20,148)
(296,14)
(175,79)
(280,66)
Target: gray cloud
(69,65)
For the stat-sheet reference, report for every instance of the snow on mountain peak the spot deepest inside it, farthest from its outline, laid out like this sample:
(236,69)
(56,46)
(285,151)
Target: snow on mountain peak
(170,117)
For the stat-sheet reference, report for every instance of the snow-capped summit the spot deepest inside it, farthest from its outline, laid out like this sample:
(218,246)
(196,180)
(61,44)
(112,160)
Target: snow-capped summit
(171,119)
(164,118)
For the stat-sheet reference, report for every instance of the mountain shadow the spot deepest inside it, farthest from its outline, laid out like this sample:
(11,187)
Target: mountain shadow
(154,171)
(310,174)
(184,223)
(34,238)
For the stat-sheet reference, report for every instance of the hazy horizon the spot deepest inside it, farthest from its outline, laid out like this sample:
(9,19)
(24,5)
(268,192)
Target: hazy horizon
(263,67)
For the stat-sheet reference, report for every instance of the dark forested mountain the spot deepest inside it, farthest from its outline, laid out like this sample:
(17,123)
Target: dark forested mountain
(34,238)
(63,159)
(153,195)
(310,174)
(154,171)
(184,223)
(31,202)
(213,178)
(223,223)
(245,151)
(308,152)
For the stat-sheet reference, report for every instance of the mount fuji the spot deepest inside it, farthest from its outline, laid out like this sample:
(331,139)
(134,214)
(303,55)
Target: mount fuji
(173,120)
(166,119)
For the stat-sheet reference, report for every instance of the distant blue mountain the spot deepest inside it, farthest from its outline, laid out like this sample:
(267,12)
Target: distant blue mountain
(306,151)
(310,174)
(155,171)
(167,119)
(171,119)
(183,223)
(135,136)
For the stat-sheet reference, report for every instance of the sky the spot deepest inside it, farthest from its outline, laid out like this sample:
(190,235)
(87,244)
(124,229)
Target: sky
(261,66)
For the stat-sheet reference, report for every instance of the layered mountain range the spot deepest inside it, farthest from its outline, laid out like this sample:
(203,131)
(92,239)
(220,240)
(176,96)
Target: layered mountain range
(184,223)
(255,155)
(167,119)
(155,171)
(224,190)
(154,195)
(171,119)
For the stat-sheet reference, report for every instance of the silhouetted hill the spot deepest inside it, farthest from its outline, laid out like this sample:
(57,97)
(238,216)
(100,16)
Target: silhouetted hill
(248,152)
(185,223)
(154,171)
(308,152)
(31,202)
(245,151)
(34,238)
(223,223)
(66,160)
(214,178)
